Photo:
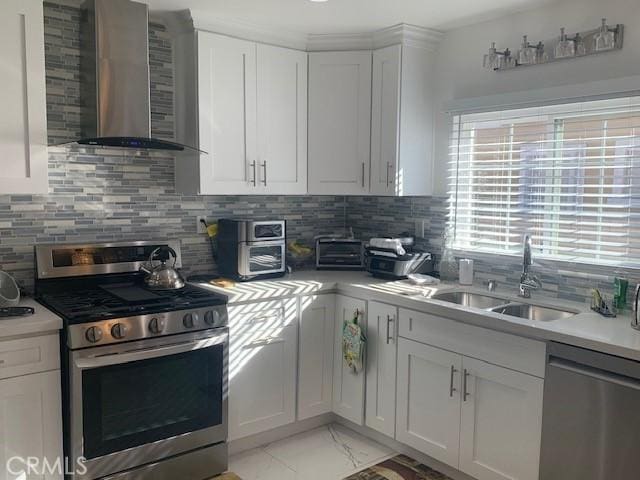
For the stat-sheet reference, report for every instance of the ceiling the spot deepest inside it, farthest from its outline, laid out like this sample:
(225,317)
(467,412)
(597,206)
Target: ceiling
(349,16)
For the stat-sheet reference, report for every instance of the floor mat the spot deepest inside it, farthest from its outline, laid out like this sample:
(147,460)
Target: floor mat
(399,467)
(227,476)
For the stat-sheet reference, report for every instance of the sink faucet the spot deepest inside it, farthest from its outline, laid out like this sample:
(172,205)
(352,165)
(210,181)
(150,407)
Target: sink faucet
(528,282)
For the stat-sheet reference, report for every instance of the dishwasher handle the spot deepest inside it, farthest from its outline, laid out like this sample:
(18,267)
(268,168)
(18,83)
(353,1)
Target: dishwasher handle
(604,364)
(595,373)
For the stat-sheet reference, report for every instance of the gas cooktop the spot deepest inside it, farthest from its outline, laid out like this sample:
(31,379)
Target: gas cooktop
(94,299)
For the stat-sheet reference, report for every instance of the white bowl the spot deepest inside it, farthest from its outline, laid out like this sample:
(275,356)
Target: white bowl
(9,291)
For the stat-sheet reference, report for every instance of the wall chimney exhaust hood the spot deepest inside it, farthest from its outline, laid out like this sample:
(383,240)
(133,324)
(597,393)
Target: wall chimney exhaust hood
(115,87)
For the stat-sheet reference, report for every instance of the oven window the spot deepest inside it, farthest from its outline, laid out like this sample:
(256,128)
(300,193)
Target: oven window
(341,253)
(268,230)
(264,259)
(140,402)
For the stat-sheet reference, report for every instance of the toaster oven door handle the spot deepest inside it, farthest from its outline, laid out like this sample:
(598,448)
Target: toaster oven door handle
(119,358)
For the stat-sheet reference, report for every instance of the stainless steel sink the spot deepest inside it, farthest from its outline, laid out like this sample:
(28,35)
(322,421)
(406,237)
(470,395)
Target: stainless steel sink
(469,299)
(532,312)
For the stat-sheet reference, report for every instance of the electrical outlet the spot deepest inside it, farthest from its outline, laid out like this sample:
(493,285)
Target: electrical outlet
(419,228)
(200,228)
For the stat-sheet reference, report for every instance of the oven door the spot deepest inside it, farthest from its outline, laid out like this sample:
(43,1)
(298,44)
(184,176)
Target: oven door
(266,231)
(137,403)
(261,258)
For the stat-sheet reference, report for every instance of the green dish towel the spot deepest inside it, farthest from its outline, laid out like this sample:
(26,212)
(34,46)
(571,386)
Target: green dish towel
(353,343)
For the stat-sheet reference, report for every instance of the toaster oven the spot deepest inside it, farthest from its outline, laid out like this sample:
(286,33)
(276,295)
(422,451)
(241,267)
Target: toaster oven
(249,250)
(339,254)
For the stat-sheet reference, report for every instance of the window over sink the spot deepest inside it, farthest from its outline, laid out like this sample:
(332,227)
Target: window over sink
(568,175)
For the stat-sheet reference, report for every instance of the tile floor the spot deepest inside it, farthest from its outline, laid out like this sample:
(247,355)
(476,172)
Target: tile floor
(331,452)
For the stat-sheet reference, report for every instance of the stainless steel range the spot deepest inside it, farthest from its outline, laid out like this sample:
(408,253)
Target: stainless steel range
(145,371)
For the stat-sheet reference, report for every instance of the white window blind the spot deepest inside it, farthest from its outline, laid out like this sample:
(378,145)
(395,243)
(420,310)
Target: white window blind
(568,175)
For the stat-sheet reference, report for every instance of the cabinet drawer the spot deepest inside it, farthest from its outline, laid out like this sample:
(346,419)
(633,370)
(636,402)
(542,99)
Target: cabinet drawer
(499,348)
(253,317)
(29,355)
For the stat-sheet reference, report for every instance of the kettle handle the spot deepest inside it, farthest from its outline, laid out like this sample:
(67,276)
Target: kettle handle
(164,248)
(635,301)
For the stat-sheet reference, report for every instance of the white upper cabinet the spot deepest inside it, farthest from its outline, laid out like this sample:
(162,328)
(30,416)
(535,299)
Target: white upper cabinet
(250,115)
(23,127)
(227,114)
(282,120)
(339,122)
(385,118)
(402,121)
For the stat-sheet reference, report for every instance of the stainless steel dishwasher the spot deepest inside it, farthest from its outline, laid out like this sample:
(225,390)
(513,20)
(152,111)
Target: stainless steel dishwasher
(591,419)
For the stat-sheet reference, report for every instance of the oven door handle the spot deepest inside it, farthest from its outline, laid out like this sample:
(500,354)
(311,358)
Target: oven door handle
(88,363)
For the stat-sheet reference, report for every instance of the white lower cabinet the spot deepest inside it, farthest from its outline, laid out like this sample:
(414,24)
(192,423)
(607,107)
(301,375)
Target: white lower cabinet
(316,345)
(30,424)
(348,386)
(262,367)
(501,423)
(381,368)
(428,414)
(484,419)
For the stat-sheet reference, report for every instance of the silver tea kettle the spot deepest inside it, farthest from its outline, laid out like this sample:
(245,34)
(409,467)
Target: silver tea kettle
(163,276)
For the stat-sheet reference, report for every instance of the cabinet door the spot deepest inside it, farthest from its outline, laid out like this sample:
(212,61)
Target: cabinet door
(339,123)
(385,120)
(31,422)
(501,423)
(428,411)
(262,381)
(348,387)
(381,368)
(315,374)
(23,126)
(282,120)
(227,114)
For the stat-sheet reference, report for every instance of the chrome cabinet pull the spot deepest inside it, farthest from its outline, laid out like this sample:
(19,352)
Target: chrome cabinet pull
(263,343)
(465,393)
(264,179)
(362,174)
(389,320)
(254,181)
(452,389)
(388,167)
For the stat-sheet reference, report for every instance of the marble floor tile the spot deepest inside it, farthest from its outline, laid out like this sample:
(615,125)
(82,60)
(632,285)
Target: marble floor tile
(327,453)
(256,464)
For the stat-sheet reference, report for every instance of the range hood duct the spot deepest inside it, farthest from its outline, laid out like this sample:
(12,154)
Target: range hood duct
(115,81)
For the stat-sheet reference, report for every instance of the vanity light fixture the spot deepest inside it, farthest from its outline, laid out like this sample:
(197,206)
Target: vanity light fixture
(603,39)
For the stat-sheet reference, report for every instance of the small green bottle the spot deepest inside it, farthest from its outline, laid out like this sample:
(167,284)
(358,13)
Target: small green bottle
(620,292)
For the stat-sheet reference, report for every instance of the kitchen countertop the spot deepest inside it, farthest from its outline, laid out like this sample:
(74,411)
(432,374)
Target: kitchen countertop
(41,322)
(586,329)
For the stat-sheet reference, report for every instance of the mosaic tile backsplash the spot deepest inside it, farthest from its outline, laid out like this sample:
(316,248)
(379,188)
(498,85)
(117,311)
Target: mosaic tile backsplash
(114,196)
(102,195)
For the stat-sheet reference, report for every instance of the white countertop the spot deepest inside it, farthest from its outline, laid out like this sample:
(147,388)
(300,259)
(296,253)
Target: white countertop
(586,329)
(41,322)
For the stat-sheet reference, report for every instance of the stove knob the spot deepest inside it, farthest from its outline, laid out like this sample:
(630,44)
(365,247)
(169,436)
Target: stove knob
(189,320)
(119,331)
(156,325)
(93,334)
(211,317)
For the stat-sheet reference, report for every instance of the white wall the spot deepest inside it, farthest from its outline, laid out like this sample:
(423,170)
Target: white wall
(460,73)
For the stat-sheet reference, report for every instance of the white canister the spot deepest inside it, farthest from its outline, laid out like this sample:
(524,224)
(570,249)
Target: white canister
(466,271)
